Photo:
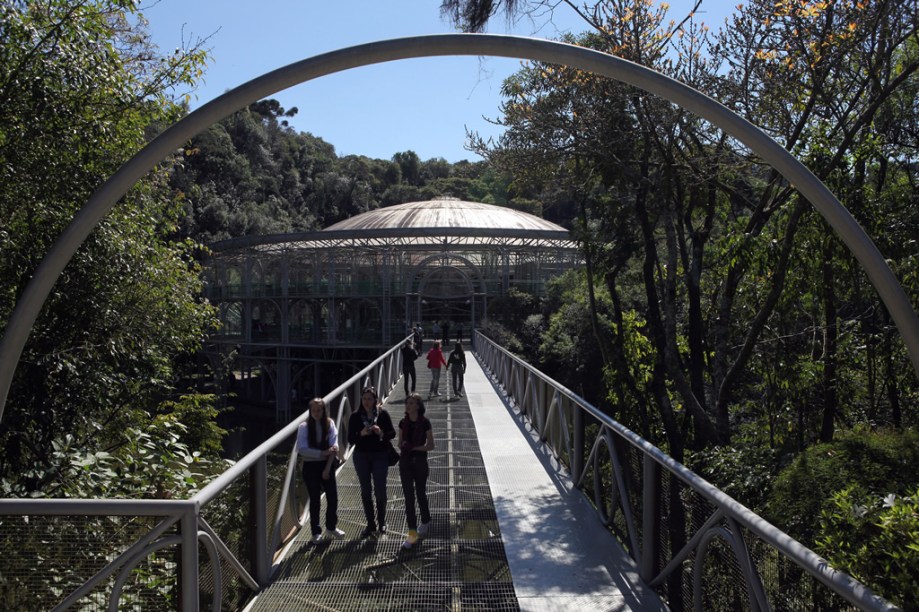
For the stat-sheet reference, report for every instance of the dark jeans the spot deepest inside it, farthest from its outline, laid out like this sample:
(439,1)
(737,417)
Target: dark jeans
(414,476)
(372,469)
(435,381)
(457,379)
(406,372)
(315,485)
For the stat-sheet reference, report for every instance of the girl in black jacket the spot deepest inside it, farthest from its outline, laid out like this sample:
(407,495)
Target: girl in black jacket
(370,430)
(416,439)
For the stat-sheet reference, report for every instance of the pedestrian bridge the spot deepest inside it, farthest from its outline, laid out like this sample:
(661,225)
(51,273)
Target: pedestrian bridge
(538,502)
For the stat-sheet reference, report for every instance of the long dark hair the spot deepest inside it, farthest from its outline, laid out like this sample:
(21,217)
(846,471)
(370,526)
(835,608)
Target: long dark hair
(416,396)
(377,404)
(325,420)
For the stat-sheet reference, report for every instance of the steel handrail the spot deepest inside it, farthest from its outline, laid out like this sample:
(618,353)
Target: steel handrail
(509,369)
(383,371)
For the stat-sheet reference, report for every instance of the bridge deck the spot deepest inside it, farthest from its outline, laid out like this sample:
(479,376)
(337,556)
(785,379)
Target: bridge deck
(509,530)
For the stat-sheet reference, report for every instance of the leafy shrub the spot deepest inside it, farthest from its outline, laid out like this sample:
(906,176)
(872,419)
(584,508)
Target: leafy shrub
(878,462)
(746,473)
(500,335)
(875,539)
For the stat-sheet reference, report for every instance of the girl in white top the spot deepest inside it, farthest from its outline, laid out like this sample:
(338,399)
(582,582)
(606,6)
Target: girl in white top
(317,443)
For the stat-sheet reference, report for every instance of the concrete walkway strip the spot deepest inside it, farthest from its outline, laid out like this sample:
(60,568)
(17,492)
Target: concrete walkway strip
(560,555)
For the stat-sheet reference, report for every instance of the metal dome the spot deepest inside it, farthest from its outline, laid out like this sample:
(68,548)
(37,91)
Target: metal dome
(443,213)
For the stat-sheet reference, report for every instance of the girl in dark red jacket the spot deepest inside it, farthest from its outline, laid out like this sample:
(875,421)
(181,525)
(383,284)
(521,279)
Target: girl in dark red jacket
(435,360)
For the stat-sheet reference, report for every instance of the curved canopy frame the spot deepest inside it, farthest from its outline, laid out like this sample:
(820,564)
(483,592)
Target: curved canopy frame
(27,308)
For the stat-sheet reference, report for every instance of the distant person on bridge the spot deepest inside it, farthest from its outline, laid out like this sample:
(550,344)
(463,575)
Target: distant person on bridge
(419,337)
(317,443)
(446,336)
(457,361)
(435,330)
(370,429)
(416,438)
(435,360)
(409,355)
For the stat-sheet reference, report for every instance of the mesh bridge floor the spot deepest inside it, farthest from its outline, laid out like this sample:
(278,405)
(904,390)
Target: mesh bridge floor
(510,531)
(460,565)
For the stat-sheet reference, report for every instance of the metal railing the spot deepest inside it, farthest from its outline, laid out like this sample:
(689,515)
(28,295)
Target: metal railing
(216,548)
(692,543)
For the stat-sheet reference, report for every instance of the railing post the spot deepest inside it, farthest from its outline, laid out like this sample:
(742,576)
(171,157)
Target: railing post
(188,574)
(258,510)
(650,513)
(577,452)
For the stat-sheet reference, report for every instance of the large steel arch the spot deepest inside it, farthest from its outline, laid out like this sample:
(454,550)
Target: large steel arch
(27,308)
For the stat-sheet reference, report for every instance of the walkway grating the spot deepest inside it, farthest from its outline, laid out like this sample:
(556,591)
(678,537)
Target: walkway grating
(461,565)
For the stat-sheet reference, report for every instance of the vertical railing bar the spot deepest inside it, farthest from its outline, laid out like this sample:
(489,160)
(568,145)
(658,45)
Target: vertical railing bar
(227,554)
(259,508)
(757,594)
(624,499)
(687,549)
(189,559)
(650,511)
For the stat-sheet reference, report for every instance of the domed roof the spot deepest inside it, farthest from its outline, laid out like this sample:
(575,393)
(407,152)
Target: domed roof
(420,225)
(444,213)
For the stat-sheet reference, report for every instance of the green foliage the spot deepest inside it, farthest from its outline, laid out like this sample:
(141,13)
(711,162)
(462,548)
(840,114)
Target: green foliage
(500,335)
(512,308)
(874,537)
(196,414)
(149,463)
(80,88)
(569,350)
(878,462)
(744,472)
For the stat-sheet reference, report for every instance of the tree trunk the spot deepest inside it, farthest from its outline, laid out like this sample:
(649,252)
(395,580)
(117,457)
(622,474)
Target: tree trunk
(830,341)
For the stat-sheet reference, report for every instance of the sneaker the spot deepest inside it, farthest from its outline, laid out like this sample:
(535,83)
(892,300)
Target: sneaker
(368,531)
(424,529)
(383,529)
(335,534)
(410,540)
(317,538)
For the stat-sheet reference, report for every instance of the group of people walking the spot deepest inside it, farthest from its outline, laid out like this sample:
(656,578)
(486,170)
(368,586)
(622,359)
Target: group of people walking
(436,360)
(371,432)
(440,330)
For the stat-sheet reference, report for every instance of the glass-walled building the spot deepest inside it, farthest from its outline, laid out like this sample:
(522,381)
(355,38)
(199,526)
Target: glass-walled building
(299,310)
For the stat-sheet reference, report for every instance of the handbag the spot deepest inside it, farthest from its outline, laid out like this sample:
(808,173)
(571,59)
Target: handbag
(393,455)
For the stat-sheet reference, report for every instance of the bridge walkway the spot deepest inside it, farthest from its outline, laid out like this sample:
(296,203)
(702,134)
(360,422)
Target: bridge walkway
(509,531)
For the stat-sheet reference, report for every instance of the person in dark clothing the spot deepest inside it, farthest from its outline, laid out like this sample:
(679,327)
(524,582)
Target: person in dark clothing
(370,429)
(446,329)
(416,439)
(419,337)
(457,364)
(317,443)
(409,355)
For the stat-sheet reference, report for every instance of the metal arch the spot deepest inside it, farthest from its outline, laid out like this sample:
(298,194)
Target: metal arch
(29,304)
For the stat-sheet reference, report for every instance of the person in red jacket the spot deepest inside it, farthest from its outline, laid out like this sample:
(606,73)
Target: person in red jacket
(435,360)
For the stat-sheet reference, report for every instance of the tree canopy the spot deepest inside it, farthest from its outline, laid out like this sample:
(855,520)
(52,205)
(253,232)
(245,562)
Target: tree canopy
(82,90)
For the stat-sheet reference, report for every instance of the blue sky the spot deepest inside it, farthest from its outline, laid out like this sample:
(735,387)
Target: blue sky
(421,104)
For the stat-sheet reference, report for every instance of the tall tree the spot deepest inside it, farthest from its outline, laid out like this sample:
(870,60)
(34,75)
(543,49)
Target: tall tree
(717,236)
(80,86)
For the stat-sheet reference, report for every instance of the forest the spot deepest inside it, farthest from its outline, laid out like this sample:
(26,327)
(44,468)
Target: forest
(717,314)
